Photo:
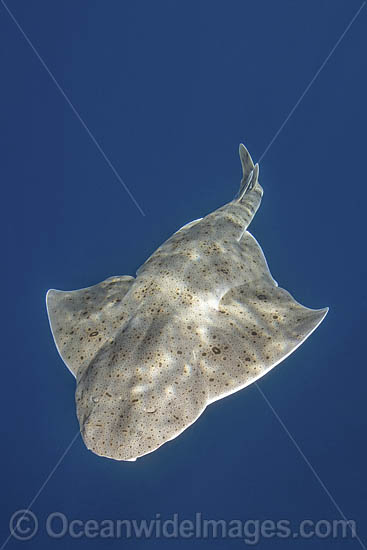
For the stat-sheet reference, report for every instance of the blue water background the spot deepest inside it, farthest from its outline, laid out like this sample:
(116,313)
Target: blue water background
(169,89)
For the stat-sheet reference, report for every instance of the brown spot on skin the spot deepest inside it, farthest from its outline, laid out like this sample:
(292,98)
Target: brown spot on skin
(216,350)
(275,316)
(108,394)
(95,333)
(254,333)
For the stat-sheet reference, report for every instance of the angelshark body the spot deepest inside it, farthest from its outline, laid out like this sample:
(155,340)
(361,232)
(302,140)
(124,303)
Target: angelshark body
(202,319)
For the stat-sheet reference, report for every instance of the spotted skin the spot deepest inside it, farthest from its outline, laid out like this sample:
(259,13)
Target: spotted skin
(202,319)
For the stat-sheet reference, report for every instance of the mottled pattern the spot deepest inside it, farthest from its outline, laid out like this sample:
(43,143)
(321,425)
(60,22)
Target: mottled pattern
(203,319)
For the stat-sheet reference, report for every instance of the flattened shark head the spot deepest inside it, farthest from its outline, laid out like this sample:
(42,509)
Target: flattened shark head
(130,401)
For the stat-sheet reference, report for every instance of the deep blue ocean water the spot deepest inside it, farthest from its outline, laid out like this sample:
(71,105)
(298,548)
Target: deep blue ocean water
(169,89)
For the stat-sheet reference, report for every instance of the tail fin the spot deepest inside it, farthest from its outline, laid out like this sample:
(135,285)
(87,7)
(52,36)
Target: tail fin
(246,161)
(250,172)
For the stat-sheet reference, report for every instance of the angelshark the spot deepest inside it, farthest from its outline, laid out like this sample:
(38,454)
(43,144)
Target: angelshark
(202,319)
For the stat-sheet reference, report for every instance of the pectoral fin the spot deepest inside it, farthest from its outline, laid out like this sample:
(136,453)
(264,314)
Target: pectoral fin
(83,320)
